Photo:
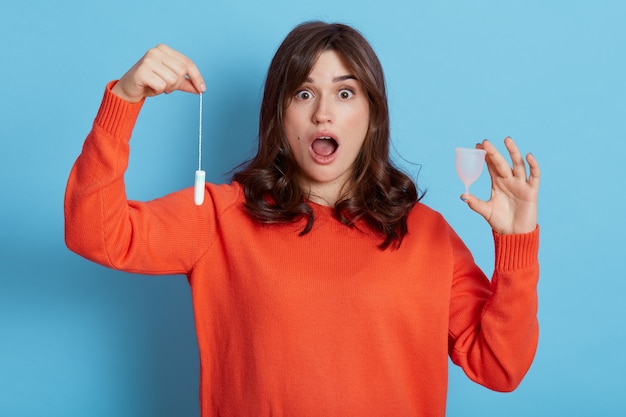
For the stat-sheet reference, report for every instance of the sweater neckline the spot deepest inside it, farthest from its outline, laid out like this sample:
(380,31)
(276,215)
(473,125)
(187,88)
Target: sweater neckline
(320,209)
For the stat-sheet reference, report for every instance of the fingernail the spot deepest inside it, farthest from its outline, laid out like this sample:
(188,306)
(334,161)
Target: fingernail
(464,199)
(203,88)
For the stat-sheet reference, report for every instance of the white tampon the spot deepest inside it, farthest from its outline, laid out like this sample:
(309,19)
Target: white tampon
(198,187)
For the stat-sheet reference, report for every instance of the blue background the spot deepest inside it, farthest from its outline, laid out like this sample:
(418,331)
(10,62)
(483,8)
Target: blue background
(77,339)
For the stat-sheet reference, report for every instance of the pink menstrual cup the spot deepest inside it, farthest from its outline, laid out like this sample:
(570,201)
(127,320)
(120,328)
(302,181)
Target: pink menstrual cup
(469,165)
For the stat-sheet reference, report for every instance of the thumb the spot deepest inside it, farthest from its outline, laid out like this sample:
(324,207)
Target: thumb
(479,206)
(188,86)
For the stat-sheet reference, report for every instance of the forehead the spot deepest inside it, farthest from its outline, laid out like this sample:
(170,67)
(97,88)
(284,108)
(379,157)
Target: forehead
(330,64)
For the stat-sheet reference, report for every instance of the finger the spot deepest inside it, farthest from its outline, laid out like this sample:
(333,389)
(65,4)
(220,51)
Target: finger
(479,206)
(496,163)
(168,65)
(151,80)
(188,87)
(153,73)
(519,167)
(195,78)
(185,69)
(535,172)
(169,77)
(490,168)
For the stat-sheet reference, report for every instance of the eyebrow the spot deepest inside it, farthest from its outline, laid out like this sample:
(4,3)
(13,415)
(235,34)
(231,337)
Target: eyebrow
(336,79)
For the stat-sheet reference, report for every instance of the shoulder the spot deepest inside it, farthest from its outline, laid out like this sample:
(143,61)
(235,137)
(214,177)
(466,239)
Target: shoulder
(224,198)
(219,199)
(228,194)
(428,224)
(423,214)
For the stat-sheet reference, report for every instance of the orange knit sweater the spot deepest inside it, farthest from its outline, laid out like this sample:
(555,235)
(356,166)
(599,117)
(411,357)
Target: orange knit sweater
(324,324)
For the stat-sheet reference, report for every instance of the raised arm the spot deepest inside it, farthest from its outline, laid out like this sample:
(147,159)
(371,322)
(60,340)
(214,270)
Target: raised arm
(495,340)
(101,224)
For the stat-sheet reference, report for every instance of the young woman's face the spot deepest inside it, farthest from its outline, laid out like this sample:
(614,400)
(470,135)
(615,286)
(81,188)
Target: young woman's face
(326,122)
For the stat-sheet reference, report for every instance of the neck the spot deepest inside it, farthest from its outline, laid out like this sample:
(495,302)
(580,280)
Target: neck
(325,195)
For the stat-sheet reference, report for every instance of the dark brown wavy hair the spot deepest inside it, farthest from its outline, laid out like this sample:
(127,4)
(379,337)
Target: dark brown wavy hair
(378,194)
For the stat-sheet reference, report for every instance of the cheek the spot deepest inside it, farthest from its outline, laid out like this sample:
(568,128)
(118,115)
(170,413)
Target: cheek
(365,115)
(364,123)
(292,140)
(290,122)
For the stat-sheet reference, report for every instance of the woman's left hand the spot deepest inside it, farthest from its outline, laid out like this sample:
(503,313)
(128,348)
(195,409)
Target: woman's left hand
(512,208)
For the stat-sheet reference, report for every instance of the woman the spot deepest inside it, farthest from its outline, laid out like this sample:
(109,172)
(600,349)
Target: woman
(320,284)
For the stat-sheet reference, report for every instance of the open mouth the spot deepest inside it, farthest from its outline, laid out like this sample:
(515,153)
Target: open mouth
(324,146)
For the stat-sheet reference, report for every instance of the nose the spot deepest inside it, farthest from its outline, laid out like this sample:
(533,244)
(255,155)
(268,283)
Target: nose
(322,112)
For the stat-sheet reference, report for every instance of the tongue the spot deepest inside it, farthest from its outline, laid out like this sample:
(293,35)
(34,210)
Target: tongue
(324,147)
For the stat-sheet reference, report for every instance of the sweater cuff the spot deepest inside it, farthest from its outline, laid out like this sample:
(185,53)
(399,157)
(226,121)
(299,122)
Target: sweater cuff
(117,116)
(516,251)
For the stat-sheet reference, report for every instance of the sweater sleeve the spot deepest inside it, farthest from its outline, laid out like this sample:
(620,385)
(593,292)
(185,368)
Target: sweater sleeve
(158,237)
(493,325)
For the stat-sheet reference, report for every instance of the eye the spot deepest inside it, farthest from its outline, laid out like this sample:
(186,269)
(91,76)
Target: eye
(345,94)
(304,95)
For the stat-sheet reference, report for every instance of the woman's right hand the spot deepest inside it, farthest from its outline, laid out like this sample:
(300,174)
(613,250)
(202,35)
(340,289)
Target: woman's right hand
(160,70)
